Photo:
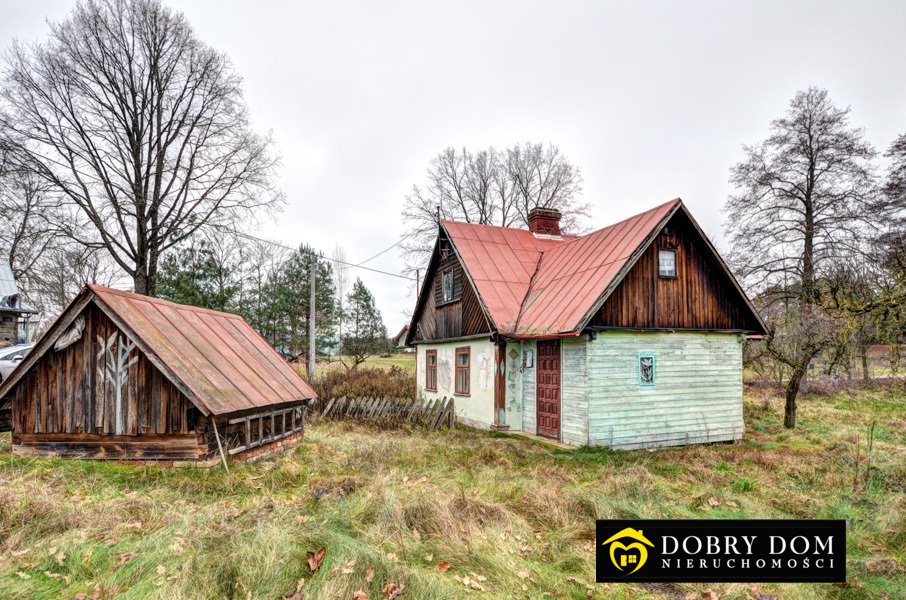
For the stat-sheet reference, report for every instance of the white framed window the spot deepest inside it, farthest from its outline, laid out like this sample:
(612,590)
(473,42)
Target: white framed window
(647,369)
(447,286)
(666,263)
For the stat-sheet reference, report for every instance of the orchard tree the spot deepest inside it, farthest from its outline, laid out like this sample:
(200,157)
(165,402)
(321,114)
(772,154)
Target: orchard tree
(365,333)
(803,200)
(140,127)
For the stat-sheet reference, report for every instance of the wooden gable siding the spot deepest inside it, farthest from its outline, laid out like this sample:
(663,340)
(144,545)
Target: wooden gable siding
(700,297)
(461,317)
(63,393)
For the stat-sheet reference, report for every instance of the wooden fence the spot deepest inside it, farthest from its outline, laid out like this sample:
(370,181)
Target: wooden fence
(433,414)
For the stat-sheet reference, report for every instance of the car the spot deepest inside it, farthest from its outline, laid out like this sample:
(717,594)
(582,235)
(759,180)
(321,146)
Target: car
(11,356)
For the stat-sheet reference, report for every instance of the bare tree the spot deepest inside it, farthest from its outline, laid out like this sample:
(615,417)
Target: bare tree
(139,126)
(803,198)
(488,187)
(341,281)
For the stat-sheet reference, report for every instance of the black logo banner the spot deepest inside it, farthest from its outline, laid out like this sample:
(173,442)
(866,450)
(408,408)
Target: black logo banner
(721,551)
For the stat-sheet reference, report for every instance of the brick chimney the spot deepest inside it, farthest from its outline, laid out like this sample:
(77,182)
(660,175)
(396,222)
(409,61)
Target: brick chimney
(544,221)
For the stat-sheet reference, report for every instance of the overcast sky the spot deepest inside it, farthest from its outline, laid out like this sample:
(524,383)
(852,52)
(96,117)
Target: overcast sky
(651,100)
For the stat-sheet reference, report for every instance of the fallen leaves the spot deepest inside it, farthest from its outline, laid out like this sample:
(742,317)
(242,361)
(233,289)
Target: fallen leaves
(315,558)
(472,581)
(709,595)
(369,573)
(133,525)
(443,566)
(297,593)
(392,590)
(360,595)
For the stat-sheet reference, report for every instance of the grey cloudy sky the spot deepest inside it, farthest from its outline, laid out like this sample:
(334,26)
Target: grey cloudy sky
(651,99)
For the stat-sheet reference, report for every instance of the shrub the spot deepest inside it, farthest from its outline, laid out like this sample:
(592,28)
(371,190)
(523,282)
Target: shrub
(394,382)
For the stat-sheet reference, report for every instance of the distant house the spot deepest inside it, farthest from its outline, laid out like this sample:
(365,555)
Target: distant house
(15,312)
(124,376)
(398,342)
(628,337)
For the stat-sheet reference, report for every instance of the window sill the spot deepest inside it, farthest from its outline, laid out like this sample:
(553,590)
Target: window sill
(427,389)
(462,394)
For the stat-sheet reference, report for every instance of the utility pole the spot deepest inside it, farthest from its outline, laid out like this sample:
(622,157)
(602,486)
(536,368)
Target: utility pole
(311,321)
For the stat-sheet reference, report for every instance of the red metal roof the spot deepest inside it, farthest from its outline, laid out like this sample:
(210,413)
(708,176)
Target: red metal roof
(535,286)
(500,261)
(217,356)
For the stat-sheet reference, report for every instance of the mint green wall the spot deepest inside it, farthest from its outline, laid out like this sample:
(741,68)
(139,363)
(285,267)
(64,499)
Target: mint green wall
(697,396)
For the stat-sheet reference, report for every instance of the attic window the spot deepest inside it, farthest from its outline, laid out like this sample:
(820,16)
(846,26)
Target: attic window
(647,367)
(447,286)
(666,263)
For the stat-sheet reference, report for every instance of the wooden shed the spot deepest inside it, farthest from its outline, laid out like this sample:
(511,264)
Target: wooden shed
(129,377)
(629,336)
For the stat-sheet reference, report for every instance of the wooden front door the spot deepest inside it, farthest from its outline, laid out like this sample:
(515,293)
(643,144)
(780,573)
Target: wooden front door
(548,393)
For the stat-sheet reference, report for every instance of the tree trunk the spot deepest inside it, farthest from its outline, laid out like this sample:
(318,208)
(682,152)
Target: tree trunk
(792,391)
(140,283)
(863,350)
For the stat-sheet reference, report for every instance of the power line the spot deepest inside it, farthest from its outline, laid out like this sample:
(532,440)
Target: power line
(322,257)
(385,250)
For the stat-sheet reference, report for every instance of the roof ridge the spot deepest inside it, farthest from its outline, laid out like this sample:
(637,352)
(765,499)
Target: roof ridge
(155,300)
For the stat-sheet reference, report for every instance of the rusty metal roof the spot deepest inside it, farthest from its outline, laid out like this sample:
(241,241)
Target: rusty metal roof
(217,356)
(537,286)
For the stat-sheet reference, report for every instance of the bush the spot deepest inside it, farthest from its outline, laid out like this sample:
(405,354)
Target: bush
(355,383)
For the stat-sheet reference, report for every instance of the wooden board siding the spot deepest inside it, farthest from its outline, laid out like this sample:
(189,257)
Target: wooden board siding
(574,394)
(461,317)
(147,447)
(64,394)
(528,392)
(697,396)
(700,297)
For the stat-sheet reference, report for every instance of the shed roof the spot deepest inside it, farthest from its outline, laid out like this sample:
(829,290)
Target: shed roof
(11,299)
(542,286)
(216,358)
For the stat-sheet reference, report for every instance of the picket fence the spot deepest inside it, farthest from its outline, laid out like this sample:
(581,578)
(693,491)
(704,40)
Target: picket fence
(433,414)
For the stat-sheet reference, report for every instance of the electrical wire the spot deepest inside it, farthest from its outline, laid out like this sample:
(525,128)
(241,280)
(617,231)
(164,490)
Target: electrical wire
(335,260)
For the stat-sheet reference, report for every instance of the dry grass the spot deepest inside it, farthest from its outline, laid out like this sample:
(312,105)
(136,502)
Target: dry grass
(517,513)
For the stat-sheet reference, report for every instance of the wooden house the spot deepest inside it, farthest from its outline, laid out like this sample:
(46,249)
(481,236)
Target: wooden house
(124,376)
(629,336)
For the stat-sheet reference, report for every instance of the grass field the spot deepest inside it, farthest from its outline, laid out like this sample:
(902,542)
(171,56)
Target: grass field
(514,518)
(404,361)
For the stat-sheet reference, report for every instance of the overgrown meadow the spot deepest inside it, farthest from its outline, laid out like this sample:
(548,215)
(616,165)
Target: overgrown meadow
(456,514)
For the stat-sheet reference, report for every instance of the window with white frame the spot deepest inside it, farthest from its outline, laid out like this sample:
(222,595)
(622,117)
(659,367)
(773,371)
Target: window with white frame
(666,263)
(447,286)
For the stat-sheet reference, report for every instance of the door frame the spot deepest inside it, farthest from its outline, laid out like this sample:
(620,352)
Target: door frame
(560,385)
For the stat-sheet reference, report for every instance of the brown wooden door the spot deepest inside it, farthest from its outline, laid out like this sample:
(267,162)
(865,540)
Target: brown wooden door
(548,394)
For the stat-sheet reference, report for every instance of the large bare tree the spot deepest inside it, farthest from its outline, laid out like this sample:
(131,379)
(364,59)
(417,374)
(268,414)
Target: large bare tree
(490,187)
(139,127)
(803,200)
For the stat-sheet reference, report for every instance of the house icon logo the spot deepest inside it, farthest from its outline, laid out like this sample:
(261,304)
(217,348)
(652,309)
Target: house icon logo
(625,556)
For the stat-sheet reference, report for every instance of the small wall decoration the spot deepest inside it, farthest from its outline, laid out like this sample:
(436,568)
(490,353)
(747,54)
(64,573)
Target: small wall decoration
(647,366)
(113,365)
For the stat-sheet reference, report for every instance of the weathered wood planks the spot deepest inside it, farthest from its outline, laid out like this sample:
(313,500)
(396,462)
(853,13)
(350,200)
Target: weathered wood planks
(433,414)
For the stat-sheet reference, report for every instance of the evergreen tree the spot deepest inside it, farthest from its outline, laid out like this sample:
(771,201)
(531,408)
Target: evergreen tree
(196,275)
(365,331)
